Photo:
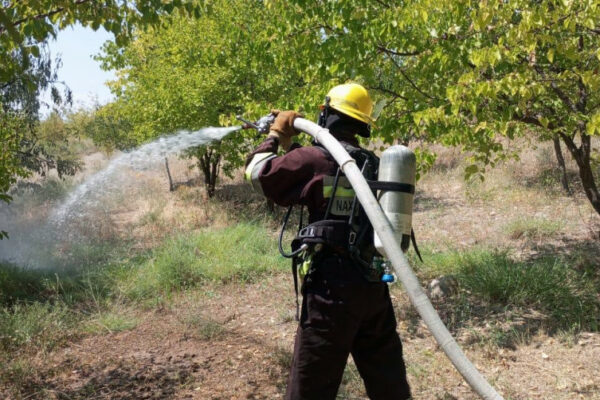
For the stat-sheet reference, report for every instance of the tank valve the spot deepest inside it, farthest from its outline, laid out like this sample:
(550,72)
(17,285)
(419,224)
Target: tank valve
(387,277)
(382,267)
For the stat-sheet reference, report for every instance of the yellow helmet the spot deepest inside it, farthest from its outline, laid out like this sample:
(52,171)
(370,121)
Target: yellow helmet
(353,100)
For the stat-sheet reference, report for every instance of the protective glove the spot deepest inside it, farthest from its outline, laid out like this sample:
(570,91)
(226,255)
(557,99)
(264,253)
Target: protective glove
(283,127)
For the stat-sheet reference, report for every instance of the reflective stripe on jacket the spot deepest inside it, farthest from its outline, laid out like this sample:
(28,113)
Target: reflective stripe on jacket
(304,175)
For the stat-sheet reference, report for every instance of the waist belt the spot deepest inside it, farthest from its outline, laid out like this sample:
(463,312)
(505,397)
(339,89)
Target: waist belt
(333,233)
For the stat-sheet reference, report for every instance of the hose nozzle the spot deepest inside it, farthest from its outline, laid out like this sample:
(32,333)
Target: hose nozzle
(263,125)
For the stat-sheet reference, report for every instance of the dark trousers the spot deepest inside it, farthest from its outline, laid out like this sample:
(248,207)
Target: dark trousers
(344,314)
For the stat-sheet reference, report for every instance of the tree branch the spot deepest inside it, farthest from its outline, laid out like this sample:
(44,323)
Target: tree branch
(557,90)
(582,102)
(570,143)
(596,31)
(386,5)
(389,91)
(405,75)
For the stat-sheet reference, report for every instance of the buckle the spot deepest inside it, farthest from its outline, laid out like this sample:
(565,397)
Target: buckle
(308,231)
(352,238)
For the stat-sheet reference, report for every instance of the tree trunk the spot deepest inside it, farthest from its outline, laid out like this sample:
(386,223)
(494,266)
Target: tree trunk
(171,186)
(561,164)
(589,185)
(209,165)
(214,173)
(582,158)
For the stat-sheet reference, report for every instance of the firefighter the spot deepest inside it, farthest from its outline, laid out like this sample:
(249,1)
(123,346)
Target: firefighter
(346,308)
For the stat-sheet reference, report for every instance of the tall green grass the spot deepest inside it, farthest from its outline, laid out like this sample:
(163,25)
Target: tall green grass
(568,297)
(43,307)
(240,253)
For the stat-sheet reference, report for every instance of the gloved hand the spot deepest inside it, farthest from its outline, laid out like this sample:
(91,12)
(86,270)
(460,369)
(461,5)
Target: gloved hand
(283,127)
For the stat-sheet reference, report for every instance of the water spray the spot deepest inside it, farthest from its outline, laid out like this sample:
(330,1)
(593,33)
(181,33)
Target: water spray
(36,247)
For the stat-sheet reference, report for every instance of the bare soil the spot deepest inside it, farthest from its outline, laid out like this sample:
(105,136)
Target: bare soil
(235,343)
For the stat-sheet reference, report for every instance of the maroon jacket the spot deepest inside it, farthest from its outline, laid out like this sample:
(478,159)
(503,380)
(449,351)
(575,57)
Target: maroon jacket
(297,176)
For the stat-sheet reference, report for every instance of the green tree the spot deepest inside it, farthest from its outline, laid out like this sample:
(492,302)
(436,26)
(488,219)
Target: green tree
(192,73)
(465,73)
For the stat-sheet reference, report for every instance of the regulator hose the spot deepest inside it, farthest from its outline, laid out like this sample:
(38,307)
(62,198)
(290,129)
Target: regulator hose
(403,270)
(286,218)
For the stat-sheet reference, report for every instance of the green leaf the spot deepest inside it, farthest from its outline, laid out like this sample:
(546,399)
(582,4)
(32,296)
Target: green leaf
(550,55)
(471,170)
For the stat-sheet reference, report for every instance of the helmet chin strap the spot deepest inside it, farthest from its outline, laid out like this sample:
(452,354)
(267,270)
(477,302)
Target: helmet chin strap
(324,113)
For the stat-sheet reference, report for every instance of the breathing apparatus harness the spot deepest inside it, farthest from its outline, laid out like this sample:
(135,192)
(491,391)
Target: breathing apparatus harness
(348,236)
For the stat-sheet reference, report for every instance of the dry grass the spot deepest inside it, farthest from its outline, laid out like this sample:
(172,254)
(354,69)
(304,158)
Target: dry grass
(514,207)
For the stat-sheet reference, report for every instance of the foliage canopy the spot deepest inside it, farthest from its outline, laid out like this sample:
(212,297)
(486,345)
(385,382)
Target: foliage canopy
(467,73)
(191,73)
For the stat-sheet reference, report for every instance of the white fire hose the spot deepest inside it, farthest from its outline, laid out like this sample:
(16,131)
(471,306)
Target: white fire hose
(382,226)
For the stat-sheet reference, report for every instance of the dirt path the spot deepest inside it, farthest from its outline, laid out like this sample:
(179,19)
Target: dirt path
(234,342)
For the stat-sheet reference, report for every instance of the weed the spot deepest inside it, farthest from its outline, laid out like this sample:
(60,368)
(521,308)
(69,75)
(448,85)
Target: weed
(205,328)
(44,308)
(17,374)
(286,315)
(111,322)
(20,284)
(476,190)
(352,383)
(43,325)
(209,329)
(151,217)
(30,194)
(416,371)
(282,357)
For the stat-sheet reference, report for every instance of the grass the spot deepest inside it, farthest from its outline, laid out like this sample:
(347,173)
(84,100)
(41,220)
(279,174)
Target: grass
(42,309)
(550,285)
(282,357)
(205,328)
(44,326)
(241,253)
(110,322)
(352,386)
(533,228)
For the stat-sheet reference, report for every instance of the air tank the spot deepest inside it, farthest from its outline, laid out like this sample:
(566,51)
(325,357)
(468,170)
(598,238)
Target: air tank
(397,164)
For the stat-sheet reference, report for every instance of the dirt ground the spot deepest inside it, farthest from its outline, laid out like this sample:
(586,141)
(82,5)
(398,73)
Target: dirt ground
(226,344)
